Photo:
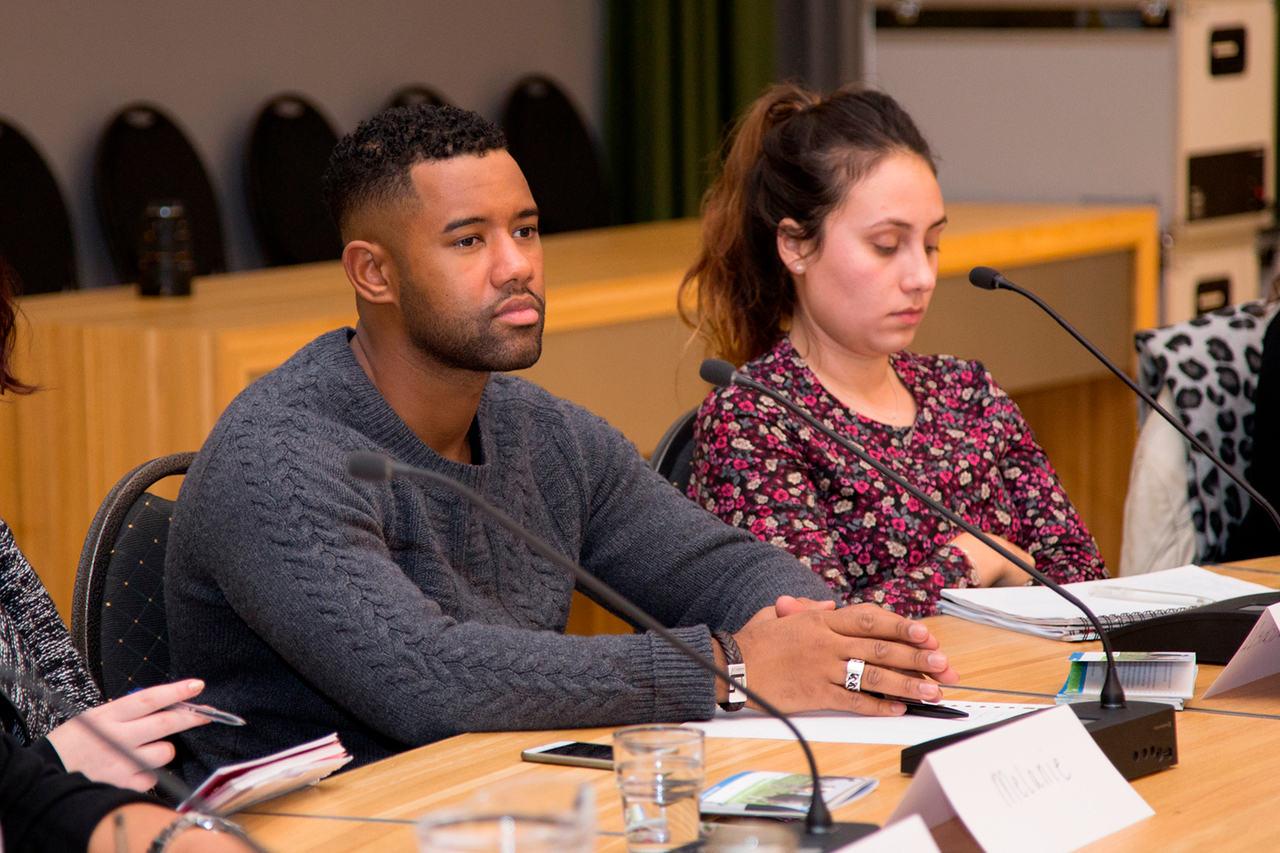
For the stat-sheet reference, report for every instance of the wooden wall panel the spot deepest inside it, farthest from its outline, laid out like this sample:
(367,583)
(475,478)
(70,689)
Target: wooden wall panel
(126,379)
(1089,430)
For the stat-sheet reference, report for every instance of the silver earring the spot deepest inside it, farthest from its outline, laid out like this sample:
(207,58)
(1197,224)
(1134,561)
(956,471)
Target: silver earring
(799,267)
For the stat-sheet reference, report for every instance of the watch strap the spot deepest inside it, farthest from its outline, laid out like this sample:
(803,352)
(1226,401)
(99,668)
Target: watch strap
(192,820)
(736,669)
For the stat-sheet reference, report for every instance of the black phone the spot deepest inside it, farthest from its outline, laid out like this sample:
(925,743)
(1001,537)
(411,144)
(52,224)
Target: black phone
(573,753)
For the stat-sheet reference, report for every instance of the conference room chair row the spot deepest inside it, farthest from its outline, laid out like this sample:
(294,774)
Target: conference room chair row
(144,157)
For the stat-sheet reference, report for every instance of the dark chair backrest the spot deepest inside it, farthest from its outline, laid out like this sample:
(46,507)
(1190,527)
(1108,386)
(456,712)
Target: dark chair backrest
(35,229)
(412,96)
(287,155)
(117,615)
(143,158)
(549,140)
(673,457)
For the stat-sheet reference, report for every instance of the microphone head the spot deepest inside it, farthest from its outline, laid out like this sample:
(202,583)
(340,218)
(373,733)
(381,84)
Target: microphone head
(717,371)
(367,465)
(985,277)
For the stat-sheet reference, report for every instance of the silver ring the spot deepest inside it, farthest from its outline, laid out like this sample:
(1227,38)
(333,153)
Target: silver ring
(853,674)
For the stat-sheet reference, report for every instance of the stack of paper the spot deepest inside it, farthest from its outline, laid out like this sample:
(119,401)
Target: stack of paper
(237,786)
(1039,611)
(1145,676)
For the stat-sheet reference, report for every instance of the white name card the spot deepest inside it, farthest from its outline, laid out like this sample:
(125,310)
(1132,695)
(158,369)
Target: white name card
(1039,783)
(1257,657)
(905,836)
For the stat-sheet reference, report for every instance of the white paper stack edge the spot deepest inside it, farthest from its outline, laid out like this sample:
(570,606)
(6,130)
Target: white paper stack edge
(238,786)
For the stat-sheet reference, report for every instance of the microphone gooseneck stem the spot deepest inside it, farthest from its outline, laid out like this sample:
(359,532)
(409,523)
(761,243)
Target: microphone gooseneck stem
(1112,695)
(1003,283)
(818,820)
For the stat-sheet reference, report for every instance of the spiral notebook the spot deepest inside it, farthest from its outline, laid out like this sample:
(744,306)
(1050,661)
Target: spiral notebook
(1041,612)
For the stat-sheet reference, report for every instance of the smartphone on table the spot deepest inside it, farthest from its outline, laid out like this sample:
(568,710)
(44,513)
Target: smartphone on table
(573,753)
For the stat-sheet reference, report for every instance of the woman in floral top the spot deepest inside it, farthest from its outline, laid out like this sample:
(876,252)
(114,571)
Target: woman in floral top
(820,254)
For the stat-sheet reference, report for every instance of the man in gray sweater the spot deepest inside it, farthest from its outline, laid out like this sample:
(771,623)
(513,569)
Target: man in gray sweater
(397,614)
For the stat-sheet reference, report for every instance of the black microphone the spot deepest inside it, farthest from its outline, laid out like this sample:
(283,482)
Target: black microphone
(989,279)
(1123,722)
(821,832)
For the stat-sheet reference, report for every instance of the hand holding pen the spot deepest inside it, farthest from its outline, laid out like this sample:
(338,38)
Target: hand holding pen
(139,721)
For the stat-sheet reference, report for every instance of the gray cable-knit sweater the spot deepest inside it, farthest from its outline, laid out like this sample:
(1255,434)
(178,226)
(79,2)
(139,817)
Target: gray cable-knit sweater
(397,614)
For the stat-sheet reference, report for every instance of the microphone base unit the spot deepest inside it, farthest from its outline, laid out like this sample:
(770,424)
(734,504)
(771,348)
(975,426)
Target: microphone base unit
(1139,739)
(1214,631)
(840,835)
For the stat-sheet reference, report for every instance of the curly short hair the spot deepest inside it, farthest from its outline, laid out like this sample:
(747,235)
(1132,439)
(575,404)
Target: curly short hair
(371,164)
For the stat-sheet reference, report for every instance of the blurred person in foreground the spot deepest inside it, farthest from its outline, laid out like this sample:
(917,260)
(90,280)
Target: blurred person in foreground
(54,771)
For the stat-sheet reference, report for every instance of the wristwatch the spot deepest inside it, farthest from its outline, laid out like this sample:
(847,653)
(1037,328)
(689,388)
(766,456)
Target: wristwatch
(735,667)
(192,820)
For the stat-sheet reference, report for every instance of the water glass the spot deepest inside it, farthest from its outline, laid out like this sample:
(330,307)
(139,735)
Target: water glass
(541,815)
(660,770)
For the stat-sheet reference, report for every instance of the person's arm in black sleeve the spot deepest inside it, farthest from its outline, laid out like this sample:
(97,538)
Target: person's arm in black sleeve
(43,808)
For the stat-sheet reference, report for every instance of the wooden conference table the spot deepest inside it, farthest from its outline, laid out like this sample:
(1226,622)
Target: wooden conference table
(1223,795)
(125,379)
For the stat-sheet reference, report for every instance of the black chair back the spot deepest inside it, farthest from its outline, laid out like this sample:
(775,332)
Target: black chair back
(673,457)
(35,229)
(143,158)
(412,96)
(549,140)
(117,615)
(287,155)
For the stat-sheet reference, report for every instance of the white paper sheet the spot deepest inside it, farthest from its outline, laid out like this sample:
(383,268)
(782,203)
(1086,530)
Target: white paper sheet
(834,727)
(1041,604)
(1257,657)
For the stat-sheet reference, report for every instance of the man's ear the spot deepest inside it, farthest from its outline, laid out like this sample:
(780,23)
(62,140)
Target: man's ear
(791,249)
(370,270)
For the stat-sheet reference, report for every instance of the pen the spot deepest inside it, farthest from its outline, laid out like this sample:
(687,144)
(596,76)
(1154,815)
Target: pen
(923,709)
(1150,596)
(208,712)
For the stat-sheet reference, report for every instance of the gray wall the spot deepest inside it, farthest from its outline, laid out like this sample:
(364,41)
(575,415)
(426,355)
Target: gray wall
(1054,117)
(66,66)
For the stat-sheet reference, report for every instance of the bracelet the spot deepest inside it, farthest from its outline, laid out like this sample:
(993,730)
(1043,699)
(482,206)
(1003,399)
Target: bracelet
(737,670)
(192,820)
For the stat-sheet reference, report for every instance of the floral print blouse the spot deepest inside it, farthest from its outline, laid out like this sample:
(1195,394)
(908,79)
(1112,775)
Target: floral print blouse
(756,466)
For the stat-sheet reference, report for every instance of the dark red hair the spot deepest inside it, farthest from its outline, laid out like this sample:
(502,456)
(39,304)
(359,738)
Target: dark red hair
(8,314)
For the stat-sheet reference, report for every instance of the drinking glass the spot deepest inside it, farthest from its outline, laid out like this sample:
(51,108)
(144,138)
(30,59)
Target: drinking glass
(660,772)
(539,815)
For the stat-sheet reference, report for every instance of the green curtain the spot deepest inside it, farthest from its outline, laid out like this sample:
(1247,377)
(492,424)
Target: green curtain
(677,74)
